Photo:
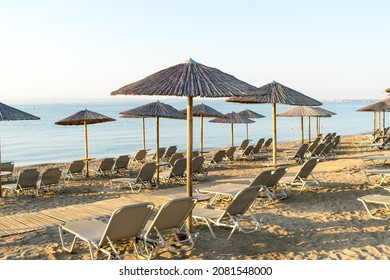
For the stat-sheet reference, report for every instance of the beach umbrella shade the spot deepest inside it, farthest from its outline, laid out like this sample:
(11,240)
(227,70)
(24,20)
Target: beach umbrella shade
(232,118)
(189,79)
(306,111)
(85,117)
(158,110)
(8,113)
(203,111)
(250,115)
(388,90)
(276,93)
(379,106)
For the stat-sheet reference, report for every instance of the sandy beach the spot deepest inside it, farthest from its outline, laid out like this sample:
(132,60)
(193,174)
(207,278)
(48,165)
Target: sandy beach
(325,223)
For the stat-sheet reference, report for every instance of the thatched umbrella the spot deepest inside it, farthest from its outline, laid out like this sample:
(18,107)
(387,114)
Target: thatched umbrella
(232,118)
(379,106)
(250,115)
(85,117)
(276,93)
(189,79)
(306,111)
(8,113)
(388,90)
(158,110)
(203,111)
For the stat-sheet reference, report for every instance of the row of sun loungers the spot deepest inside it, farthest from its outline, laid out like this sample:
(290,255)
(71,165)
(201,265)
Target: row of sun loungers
(168,227)
(133,225)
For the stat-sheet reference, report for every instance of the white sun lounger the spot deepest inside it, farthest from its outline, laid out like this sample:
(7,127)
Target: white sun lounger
(376,199)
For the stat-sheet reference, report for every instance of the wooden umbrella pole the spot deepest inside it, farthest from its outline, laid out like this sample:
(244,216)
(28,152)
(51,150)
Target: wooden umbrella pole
(309,132)
(379,120)
(374,122)
(247,133)
(232,135)
(274,146)
(201,135)
(302,132)
(143,133)
(189,154)
(157,150)
(86,149)
(317,126)
(1,190)
(383,125)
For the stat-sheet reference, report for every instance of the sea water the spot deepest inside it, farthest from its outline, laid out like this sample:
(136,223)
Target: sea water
(42,141)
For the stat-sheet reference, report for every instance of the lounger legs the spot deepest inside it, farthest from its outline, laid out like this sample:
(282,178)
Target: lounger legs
(70,250)
(371,214)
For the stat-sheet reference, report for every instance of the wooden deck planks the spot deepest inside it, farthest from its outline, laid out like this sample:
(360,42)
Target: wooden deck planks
(26,222)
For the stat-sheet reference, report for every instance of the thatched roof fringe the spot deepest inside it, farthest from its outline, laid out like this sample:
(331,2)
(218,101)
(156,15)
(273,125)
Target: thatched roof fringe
(154,109)
(88,116)
(188,79)
(8,113)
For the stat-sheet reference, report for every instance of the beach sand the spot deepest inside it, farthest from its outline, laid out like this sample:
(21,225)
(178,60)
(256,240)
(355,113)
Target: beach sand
(326,223)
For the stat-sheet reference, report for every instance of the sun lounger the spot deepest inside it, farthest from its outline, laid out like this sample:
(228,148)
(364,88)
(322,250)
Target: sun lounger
(274,187)
(317,151)
(375,160)
(257,148)
(383,200)
(197,167)
(125,226)
(217,158)
(105,167)
(51,177)
(169,152)
(139,157)
(161,153)
(229,153)
(299,155)
(233,216)
(174,158)
(145,178)
(382,173)
(267,145)
(27,180)
(176,172)
(304,177)
(327,152)
(121,164)
(243,145)
(8,167)
(381,146)
(168,229)
(76,167)
(246,154)
(229,190)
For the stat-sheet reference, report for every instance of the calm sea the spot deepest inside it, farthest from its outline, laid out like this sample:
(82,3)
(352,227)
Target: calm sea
(31,142)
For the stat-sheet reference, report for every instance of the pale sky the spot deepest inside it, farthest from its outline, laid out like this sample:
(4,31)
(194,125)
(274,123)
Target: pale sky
(86,49)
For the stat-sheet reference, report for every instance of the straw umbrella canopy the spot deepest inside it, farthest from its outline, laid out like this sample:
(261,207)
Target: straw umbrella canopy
(158,110)
(250,115)
(306,111)
(203,111)
(8,113)
(379,106)
(232,118)
(276,93)
(189,79)
(388,90)
(85,117)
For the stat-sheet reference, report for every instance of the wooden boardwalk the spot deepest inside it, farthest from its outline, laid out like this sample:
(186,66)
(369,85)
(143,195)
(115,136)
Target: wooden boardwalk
(26,222)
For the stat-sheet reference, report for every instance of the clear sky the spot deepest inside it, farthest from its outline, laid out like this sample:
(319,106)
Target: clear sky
(86,49)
